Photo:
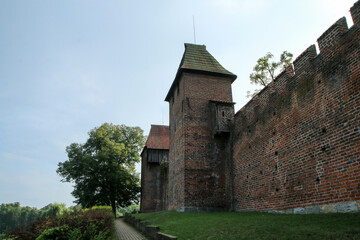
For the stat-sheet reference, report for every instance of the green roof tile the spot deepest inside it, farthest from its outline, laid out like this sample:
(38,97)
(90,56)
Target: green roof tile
(197,59)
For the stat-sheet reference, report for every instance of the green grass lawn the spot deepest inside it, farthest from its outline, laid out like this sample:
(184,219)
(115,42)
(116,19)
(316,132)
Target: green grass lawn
(253,225)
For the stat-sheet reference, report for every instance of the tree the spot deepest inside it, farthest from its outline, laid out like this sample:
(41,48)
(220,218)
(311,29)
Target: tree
(12,216)
(103,169)
(266,71)
(53,210)
(9,216)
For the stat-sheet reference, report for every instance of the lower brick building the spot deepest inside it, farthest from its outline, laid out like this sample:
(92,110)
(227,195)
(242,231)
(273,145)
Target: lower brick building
(294,147)
(154,160)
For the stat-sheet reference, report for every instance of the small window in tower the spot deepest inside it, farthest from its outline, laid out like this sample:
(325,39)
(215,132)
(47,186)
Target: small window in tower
(177,90)
(223,113)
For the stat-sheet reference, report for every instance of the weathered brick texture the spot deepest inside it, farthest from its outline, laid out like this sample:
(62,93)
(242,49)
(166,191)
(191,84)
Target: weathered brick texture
(154,192)
(198,168)
(297,143)
(355,12)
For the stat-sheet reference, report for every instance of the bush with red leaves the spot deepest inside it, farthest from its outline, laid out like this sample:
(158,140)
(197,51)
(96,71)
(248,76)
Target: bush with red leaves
(88,224)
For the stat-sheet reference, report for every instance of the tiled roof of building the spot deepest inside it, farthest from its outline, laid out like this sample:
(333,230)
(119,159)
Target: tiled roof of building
(158,137)
(197,58)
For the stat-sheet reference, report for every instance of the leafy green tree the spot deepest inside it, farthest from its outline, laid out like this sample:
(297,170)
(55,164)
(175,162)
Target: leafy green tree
(266,70)
(128,209)
(9,216)
(103,169)
(12,216)
(28,215)
(53,210)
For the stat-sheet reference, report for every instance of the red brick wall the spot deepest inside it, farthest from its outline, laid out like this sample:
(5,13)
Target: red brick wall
(355,12)
(198,161)
(177,149)
(153,185)
(297,143)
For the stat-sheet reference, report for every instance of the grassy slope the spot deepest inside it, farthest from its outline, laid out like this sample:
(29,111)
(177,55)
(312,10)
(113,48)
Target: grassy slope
(228,225)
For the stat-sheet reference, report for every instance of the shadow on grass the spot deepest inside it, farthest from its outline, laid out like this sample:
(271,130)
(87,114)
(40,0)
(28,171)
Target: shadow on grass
(254,225)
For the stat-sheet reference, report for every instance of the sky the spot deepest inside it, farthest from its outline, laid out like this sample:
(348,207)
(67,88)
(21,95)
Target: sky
(67,66)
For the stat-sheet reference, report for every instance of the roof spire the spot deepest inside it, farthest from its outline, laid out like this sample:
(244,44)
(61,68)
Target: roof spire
(194,29)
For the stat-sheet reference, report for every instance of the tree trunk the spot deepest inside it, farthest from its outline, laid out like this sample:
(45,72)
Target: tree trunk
(113,207)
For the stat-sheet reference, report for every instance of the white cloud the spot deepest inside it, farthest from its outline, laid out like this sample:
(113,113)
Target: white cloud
(34,188)
(15,157)
(81,85)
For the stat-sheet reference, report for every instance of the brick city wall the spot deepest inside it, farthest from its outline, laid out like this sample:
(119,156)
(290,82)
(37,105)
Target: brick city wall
(297,143)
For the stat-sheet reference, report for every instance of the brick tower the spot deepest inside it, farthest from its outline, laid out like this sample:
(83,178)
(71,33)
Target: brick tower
(200,101)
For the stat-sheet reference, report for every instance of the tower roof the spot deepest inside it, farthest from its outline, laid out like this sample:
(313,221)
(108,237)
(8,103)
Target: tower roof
(197,59)
(158,137)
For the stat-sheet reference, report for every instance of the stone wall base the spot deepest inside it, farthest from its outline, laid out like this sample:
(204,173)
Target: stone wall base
(152,232)
(340,207)
(200,209)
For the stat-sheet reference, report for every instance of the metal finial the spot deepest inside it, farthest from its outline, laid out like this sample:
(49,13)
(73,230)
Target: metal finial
(194,29)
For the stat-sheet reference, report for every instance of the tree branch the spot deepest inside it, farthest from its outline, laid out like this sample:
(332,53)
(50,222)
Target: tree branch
(262,82)
(272,76)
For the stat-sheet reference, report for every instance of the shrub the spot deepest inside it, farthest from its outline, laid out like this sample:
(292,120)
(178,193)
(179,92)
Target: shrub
(59,233)
(89,224)
(106,208)
(130,209)
(75,234)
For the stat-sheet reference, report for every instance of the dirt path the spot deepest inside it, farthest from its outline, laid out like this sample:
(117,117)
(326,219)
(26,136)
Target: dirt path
(126,232)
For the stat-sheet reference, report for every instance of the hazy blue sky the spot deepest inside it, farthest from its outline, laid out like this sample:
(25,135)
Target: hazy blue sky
(67,66)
